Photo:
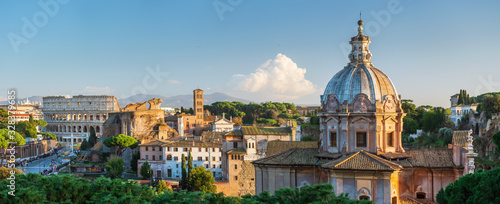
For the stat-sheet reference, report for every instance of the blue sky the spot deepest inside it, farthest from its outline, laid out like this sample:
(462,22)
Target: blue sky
(430,49)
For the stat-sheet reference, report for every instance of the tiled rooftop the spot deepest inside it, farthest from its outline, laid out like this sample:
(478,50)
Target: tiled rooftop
(275,147)
(294,156)
(362,161)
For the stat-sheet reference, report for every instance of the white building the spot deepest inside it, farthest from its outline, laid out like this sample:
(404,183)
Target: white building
(222,125)
(165,157)
(458,111)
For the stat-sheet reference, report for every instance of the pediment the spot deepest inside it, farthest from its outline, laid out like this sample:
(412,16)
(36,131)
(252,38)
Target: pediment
(332,119)
(390,120)
(361,119)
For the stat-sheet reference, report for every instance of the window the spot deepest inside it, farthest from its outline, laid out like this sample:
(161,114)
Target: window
(390,139)
(168,149)
(206,149)
(213,149)
(220,149)
(195,165)
(206,166)
(200,158)
(333,139)
(232,157)
(235,177)
(364,197)
(213,166)
(213,158)
(153,149)
(199,149)
(235,145)
(361,139)
(206,158)
(420,195)
(176,158)
(147,157)
(160,148)
(176,149)
(236,166)
(176,165)
(153,157)
(220,158)
(185,149)
(169,157)
(161,157)
(146,148)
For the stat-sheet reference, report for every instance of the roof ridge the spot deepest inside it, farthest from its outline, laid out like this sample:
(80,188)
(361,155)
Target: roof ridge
(348,158)
(382,161)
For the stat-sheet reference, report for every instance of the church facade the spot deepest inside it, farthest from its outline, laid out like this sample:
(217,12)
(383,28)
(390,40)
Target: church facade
(360,149)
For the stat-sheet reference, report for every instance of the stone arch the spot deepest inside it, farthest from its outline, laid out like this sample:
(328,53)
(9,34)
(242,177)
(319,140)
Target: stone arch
(85,129)
(85,117)
(74,128)
(364,194)
(103,116)
(79,128)
(74,117)
(79,117)
(91,116)
(97,129)
(97,117)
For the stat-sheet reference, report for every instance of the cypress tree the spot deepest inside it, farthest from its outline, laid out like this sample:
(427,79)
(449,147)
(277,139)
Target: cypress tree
(189,168)
(184,173)
(92,137)
(461,97)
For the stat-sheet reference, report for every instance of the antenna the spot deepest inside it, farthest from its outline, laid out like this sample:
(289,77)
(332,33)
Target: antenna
(360,15)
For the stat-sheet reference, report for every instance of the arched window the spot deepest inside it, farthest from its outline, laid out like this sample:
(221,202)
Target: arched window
(97,129)
(420,195)
(84,128)
(364,197)
(169,157)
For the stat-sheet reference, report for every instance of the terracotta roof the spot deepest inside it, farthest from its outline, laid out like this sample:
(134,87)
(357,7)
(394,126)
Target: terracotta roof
(184,143)
(234,133)
(250,130)
(210,136)
(460,138)
(275,147)
(329,155)
(362,161)
(395,155)
(431,157)
(295,156)
(154,143)
(237,151)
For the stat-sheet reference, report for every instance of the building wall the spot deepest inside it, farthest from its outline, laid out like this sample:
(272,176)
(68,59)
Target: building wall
(276,177)
(425,180)
(176,165)
(75,115)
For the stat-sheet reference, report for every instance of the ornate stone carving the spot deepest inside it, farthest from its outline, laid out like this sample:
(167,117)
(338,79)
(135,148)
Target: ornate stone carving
(332,104)
(389,104)
(361,103)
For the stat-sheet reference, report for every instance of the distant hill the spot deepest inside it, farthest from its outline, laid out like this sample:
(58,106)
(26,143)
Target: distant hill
(33,99)
(185,101)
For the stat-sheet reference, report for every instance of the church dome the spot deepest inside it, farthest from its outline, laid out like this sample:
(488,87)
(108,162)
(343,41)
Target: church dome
(359,76)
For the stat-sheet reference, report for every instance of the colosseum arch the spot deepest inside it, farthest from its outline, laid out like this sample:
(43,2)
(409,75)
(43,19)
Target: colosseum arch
(79,128)
(74,128)
(97,117)
(85,117)
(85,129)
(103,116)
(74,116)
(97,129)
(79,116)
(91,117)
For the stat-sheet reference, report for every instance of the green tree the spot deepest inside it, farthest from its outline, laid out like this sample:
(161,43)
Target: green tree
(114,167)
(314,120)
(40,123)
(496,140)
(120,142)
(410,126)
(92,137)
(201,179)
(189,167)
(6,172)
(409,108)
(133,163)
(161,187)
(48,135)
(8,138)
(445,134)
(146,171)
(84,145)
(308,138)
(184,179)
(4,118)
(26,129)
(479,187)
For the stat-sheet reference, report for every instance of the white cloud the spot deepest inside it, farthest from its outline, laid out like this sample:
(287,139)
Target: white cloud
(93,90)
(174,82)
(279,79)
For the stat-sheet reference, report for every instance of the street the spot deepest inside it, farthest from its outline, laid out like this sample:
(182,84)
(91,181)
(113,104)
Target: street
(38,165)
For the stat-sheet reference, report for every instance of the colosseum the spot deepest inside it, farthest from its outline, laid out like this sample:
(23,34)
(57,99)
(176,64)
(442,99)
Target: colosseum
(75,115)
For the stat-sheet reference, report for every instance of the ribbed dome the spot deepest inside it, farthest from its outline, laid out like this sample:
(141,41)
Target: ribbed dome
(355,79)
(359,76)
